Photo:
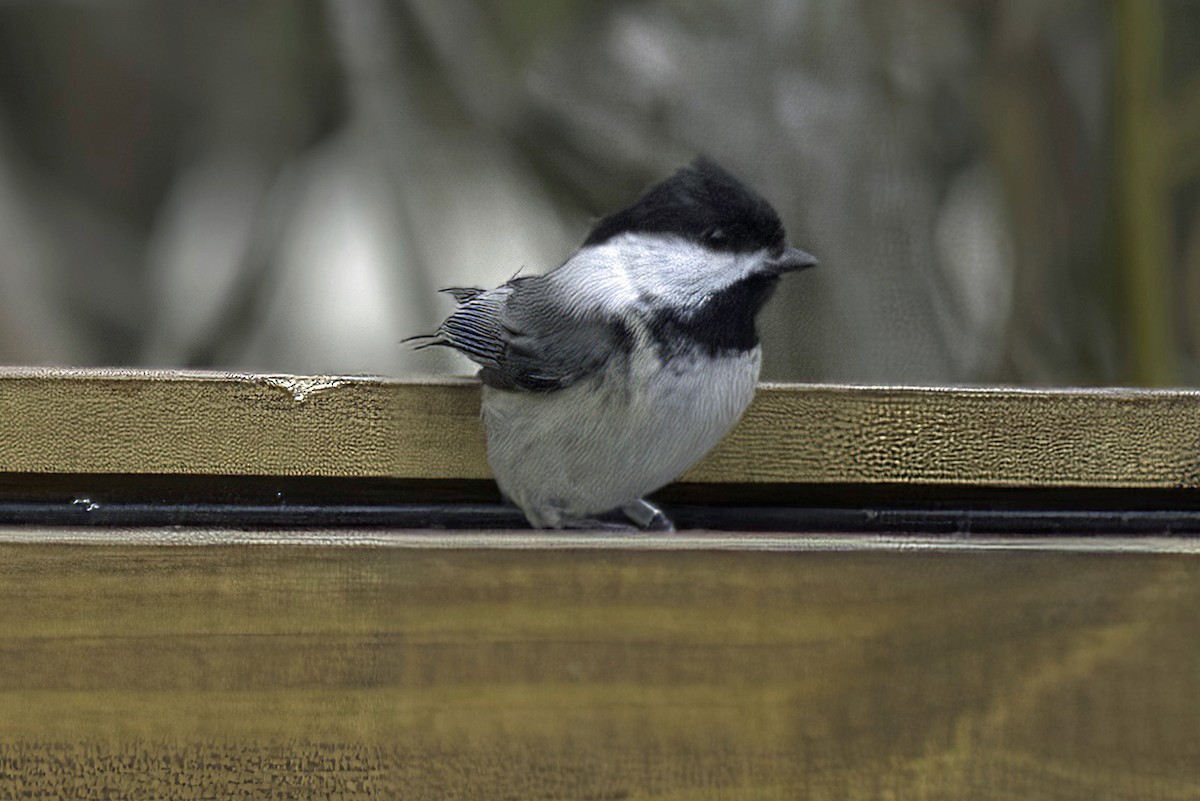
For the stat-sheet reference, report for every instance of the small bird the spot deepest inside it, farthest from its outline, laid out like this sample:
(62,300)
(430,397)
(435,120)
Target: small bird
(608,377)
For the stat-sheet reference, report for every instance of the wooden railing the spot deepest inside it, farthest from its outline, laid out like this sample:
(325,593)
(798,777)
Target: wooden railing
(382,663)
(131,422)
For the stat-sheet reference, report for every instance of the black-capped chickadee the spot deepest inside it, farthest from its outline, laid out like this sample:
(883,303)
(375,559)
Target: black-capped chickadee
(608,377)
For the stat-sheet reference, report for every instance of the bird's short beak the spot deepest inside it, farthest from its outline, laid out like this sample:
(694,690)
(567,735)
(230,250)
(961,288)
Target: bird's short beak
(790,260)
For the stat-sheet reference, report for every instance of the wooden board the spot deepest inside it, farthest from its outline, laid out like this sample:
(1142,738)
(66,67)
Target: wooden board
(63,421)
(900,669)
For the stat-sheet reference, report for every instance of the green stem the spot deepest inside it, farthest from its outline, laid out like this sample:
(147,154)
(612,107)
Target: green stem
(1142,190)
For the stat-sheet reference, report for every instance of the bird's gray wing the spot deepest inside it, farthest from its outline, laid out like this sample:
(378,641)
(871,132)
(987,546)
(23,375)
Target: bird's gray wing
(525,337)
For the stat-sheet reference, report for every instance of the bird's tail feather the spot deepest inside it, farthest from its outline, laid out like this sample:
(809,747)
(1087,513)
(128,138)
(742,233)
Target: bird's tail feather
(462,293)
(424,340)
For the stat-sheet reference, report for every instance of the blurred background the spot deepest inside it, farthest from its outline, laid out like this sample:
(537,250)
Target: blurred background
(999,191)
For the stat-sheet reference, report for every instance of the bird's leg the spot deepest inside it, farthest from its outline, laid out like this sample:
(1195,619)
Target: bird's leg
(648,516)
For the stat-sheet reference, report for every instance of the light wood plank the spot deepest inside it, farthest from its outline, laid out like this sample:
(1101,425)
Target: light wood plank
(693,674)
(189,423)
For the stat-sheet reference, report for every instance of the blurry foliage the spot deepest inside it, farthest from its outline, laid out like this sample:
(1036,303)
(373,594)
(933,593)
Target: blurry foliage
(283,186)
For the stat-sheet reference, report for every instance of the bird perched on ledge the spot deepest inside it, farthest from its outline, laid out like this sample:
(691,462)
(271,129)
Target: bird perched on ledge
(608,377)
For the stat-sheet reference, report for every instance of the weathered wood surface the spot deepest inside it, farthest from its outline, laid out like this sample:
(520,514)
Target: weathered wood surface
(179,423)
(354,673)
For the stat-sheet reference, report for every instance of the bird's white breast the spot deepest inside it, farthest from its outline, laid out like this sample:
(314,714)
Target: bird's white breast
(605,442)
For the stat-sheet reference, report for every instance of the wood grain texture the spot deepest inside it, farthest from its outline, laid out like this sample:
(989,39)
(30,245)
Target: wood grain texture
(1003,437)
(355,673)
(215,424)
(127,421)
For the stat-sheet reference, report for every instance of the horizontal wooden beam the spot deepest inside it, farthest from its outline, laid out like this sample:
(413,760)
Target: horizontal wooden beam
(474,673)
(137,422)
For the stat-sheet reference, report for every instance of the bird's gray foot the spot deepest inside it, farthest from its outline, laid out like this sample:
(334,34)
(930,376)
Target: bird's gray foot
(647,516)
(592,524)
(554,519)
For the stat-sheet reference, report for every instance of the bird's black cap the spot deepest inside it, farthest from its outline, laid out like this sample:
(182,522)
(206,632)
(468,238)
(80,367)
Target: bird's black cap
(702,203)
